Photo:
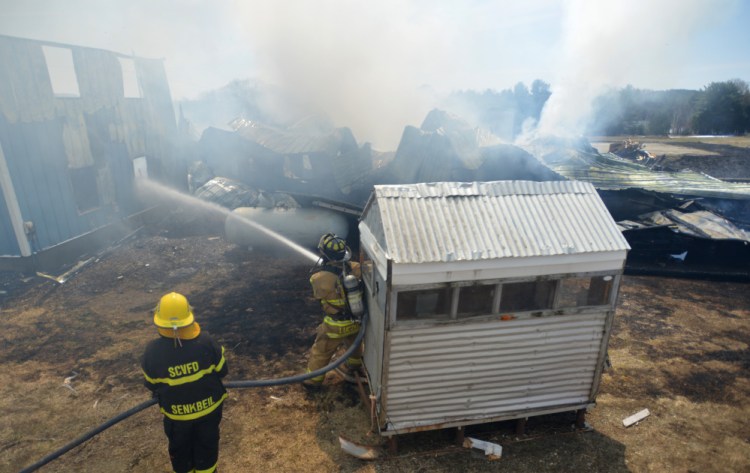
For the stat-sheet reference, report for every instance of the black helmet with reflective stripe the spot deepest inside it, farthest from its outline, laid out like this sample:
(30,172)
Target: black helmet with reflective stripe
(333,248)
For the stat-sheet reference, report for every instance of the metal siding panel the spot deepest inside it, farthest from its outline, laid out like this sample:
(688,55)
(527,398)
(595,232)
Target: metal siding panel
(53,195)
(489,398)
(373,343)
(466,366)
(76,141)
(44,134)
(286,142)
(481,370)
(8,243)
(29,95)
(59,190)
(36,167)
(428,273)
(440,353)
(472,330)
(540,402)
(610,172)
(99,78)
(521,377)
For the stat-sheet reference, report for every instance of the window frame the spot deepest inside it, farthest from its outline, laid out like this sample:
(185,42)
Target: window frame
(131,83)
(554,310)
(61,70)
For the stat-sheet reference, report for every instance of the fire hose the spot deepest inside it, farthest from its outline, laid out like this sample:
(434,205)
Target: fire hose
(258,383)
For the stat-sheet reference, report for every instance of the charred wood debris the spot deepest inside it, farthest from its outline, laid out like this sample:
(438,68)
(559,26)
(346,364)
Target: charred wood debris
(678,223)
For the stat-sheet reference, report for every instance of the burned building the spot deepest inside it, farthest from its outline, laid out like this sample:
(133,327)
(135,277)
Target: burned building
(77,124)
(326,163)
(447,148)
(678,223)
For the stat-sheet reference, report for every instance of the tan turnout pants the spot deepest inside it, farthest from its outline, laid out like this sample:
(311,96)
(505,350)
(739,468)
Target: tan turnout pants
(330,336)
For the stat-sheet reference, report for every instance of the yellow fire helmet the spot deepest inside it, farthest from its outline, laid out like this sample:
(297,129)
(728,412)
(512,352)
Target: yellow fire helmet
(173,312)
(334,248)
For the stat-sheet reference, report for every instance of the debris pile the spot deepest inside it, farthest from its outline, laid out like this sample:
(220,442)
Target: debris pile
(631,149)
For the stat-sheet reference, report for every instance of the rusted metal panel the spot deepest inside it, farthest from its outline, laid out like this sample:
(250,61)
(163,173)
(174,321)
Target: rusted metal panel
(474,371)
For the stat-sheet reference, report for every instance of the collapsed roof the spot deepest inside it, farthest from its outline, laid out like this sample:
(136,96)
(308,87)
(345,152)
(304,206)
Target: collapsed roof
(612,174)
(696,244)
(446,148)
(331,165)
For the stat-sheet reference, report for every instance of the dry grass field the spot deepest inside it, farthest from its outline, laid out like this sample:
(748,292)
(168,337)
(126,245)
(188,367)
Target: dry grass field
(679,348)
(69,356)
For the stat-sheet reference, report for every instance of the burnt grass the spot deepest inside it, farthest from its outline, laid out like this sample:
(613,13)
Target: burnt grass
(725,166)
(678,347)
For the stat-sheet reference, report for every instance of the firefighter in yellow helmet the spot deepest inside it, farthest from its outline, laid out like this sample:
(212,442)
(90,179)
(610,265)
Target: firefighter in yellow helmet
(339,326)
(184,369)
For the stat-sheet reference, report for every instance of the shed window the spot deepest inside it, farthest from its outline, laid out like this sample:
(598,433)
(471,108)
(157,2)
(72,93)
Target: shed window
(430,303)
(576,292)
(85,190)
(532,295)
(475,300)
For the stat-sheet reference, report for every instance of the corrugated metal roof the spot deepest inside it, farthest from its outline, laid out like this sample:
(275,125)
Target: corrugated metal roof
(458,221)
(285,142)
(610,172)
(702,224)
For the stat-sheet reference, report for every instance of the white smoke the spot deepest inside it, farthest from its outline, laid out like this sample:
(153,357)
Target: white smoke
(379,66)
(612,43)
(347,59)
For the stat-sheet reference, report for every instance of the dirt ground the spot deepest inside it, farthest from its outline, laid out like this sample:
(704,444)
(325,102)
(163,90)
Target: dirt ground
(69,355)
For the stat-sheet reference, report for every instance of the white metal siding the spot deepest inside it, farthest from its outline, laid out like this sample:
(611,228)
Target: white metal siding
(458,372)
(373,343)
(427,273)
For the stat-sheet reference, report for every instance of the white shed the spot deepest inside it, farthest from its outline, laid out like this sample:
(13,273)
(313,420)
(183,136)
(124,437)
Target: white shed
(488,301)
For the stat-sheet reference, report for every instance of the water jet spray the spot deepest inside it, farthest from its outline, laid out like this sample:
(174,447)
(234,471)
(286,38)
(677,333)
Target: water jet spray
(154,188)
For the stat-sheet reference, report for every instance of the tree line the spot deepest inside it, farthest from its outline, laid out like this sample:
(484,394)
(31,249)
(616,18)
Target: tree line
(720,108)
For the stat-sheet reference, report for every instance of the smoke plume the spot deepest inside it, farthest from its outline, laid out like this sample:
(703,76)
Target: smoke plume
(613,43)
(379,66)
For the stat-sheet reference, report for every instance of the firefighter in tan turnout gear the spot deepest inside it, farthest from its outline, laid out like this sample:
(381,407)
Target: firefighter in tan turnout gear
(184,368)
(340,325)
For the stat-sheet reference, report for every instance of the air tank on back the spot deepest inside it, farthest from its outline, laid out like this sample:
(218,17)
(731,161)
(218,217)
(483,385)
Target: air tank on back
(302,225)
